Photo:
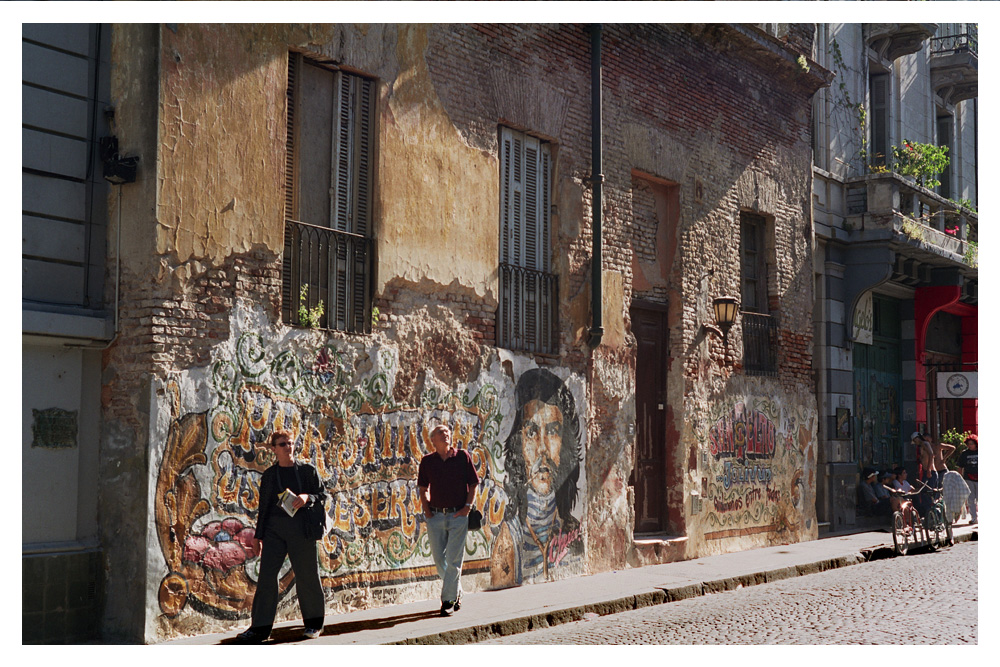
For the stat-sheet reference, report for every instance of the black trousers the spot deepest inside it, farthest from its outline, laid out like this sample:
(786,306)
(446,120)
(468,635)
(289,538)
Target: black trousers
(285,536)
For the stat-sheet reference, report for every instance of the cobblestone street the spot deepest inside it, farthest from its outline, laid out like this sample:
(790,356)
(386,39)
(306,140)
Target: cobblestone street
(923,598)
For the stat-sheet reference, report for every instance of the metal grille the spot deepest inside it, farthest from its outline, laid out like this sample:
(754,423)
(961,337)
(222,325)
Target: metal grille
(760,344)
(965,41)
(336,269)
(529,302)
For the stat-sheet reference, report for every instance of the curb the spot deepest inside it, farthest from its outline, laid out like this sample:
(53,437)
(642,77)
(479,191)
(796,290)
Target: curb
(495,630)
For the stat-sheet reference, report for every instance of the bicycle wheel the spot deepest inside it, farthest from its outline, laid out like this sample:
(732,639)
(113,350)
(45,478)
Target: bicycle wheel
(935,524)
(900,536)
(917,528)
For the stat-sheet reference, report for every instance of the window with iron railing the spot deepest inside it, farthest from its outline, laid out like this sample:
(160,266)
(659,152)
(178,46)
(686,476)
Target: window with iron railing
(760,333)
(329,252)
(528,307)
(760,344)
(529,294)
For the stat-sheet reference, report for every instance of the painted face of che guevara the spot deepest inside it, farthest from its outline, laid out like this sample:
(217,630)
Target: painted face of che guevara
(541,441)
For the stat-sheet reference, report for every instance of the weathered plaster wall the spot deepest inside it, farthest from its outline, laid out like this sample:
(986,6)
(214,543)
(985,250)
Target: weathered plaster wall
(204,370)
(439,195)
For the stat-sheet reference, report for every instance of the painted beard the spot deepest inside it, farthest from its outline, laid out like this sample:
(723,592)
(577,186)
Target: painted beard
(542,475)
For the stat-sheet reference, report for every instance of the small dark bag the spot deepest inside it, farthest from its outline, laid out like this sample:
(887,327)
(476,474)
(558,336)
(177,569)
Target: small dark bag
(315,516)
(475,519)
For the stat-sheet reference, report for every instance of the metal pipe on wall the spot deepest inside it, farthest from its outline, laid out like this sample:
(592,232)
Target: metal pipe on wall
(597,182)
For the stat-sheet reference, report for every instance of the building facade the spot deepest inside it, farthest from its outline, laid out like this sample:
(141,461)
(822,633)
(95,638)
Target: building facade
(896,259)
(66,323)
(358,232)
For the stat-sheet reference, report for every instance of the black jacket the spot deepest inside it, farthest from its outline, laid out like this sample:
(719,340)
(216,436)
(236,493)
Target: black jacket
(270,487)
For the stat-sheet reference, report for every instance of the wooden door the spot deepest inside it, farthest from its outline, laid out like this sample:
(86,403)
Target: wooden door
(649,475)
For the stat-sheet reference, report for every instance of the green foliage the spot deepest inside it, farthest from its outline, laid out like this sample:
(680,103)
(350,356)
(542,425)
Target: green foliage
(309,317)
(375,314)
(913,230)
(953,437)
(972,254)
(965,203)
(922,161)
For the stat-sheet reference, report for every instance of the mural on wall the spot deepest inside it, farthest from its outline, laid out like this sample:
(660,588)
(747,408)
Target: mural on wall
(542,458)
(759,449)
(366,449)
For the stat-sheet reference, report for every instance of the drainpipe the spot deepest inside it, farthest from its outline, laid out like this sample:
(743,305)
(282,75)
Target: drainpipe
(597,181)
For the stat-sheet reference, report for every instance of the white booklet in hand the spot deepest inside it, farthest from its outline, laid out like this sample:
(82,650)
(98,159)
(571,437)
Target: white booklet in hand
(285,499)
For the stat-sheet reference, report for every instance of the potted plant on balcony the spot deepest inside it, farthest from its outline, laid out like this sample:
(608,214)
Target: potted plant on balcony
(923,162)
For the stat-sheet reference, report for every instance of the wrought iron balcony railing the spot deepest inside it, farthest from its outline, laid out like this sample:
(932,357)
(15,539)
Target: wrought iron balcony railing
(529,304)
(327,277)
(966,41)
(760,344)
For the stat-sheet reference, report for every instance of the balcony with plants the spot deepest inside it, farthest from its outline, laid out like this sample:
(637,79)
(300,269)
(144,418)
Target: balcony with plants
(897,198)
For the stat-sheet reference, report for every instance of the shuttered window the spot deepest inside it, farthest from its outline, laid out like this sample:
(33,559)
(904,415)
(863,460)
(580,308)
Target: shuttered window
(760,339)
(528,288)
(329,252)
(879,91)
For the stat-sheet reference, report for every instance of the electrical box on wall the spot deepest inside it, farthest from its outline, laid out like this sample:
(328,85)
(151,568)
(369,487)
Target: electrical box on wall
(695,502)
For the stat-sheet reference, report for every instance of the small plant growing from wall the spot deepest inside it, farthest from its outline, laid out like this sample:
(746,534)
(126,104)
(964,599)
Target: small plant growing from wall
(913,230)
(972,254)
(309,317)
(964,203)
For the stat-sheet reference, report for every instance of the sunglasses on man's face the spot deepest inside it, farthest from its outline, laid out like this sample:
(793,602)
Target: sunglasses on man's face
(283,443)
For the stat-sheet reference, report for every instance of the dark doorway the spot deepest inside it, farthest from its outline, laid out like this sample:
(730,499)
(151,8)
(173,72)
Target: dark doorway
(649,477)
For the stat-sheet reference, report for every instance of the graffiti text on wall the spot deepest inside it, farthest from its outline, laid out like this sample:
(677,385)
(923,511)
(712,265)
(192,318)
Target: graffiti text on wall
(757,449)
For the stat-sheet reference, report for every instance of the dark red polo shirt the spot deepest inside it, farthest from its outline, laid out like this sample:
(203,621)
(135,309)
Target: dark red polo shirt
(449,479)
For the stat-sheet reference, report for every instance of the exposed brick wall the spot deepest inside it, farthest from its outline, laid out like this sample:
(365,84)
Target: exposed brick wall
(726,117)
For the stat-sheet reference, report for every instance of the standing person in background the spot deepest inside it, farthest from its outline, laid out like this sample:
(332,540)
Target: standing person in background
(447,480)
(281,534)
(942,450)
(968,466)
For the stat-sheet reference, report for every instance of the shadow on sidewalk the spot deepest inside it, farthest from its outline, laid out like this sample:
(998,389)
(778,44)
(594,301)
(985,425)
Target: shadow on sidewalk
(294,634)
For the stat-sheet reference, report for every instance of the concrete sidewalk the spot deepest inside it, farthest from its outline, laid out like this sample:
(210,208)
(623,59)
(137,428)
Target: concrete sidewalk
(489,614)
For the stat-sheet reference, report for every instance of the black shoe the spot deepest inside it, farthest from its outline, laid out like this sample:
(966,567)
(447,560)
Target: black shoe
(447,608)
(253,636)
(458,602)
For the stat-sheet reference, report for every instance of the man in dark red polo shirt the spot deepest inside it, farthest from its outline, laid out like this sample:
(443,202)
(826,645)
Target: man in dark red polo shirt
(447,480)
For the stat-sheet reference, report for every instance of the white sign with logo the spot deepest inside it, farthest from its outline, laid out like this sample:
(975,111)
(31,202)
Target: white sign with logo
(863,327)
(955,384)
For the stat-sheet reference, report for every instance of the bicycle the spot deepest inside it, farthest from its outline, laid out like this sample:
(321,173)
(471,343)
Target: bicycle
(937,521)
(910,529)
(907,526)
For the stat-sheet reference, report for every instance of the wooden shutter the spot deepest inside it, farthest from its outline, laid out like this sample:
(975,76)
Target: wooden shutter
(289,302)
(527,292)
(879,86)
(351,190)
(525,201)
(754,268)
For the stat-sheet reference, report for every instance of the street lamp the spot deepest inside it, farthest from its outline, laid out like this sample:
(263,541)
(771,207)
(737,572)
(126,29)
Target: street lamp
(725,309)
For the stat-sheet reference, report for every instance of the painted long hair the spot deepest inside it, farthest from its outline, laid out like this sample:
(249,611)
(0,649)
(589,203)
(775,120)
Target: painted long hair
(540,384)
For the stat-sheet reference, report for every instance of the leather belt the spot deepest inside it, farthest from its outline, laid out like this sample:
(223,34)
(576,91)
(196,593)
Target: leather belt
(446,510)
